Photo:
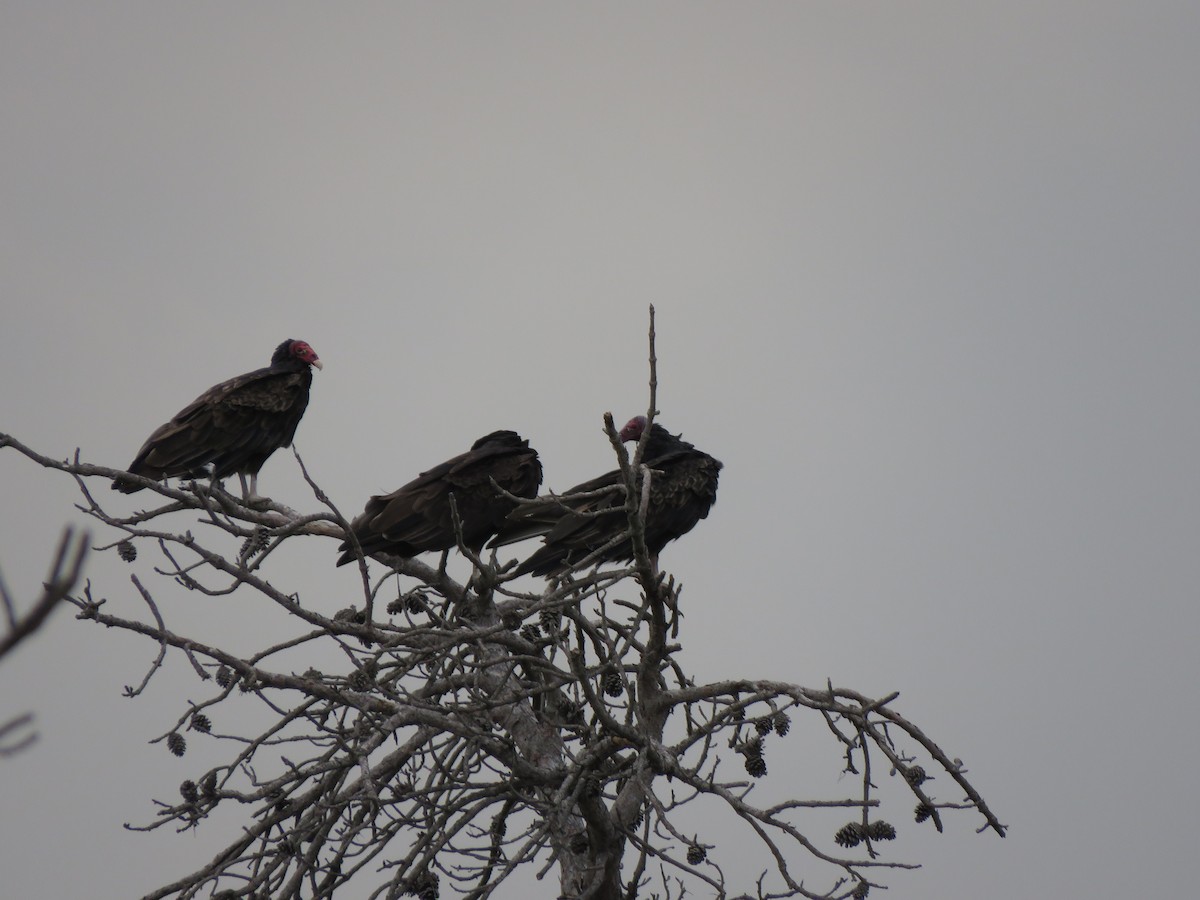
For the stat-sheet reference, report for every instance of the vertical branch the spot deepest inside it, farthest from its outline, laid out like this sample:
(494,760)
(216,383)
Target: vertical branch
(652,410)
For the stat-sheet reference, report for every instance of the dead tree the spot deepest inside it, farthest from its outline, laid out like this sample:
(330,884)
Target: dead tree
(474,730)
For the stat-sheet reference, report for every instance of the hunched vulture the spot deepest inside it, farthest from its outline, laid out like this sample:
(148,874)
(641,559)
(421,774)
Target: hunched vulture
(233,426)
(683,487)
(417,517)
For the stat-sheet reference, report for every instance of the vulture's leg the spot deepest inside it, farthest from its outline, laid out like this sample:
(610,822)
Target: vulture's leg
(250,492)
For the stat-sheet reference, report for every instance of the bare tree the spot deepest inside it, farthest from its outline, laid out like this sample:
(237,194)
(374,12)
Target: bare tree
(476,730)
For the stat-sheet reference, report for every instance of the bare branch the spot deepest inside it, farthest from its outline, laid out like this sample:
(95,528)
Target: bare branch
(64,573)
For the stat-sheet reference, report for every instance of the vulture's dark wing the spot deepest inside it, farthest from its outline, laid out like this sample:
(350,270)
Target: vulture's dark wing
(418,517)
(233,426)
(539,518)
(683,487)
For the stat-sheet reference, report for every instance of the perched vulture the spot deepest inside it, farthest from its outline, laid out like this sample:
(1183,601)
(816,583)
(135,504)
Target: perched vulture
(683,487)
(418,517)
(233,426)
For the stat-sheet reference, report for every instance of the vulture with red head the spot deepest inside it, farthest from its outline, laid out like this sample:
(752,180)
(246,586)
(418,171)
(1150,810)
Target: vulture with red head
(418,516)
(233,426)
(586,531)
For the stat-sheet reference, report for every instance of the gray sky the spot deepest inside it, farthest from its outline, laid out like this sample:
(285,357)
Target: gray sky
(926,276)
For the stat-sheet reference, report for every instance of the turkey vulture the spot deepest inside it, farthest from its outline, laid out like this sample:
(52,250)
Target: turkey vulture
(417,517)
(233,426)
(683,487)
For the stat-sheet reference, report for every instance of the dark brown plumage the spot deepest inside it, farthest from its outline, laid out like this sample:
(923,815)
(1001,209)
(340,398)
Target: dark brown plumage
(683,487)
(233,426)
(417,517)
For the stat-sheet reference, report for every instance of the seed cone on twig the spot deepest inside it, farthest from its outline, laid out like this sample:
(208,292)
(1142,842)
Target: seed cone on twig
(849,835)
(880,830)
(614,685)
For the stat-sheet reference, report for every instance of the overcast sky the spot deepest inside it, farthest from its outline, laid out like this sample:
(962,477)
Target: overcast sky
(926,277)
